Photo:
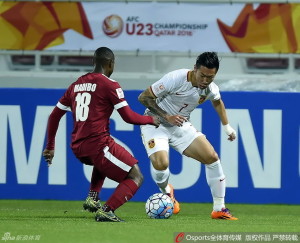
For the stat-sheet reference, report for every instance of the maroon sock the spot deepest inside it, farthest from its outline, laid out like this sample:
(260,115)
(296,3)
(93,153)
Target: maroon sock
(97,181)
(123,193)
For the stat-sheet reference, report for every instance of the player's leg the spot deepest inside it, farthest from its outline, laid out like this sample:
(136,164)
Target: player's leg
(156,142)
(92,202)
(125,190)
(160,169)
(201,149)
(120,166)
(123,193)
(161,173)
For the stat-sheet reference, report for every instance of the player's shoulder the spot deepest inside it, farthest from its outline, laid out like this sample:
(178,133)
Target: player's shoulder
(90,82)
(178,76)
(213,87)
(179,73)
(108,79)
(100,78)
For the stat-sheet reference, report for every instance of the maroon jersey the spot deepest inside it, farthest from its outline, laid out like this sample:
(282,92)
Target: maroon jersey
(92,99)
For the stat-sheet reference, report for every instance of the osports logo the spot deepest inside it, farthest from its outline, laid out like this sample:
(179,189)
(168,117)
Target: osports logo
(112,26)
(179,237)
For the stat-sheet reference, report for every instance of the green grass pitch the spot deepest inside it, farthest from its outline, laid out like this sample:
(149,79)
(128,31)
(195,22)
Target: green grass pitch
(65,221)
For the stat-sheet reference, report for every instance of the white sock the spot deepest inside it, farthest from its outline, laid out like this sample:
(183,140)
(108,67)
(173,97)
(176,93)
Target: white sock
(167,189)
(218,203)
(216,181)
(161,177)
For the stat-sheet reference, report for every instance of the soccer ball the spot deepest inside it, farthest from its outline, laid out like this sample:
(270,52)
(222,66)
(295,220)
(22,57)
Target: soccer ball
(159,206)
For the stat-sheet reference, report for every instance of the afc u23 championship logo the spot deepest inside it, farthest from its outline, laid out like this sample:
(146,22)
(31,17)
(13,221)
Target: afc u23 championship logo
(112,26)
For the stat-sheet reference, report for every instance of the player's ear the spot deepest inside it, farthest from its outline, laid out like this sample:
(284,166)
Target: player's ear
(111,64)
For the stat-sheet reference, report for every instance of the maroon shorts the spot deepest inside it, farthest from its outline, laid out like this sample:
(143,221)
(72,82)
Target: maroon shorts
(113,161)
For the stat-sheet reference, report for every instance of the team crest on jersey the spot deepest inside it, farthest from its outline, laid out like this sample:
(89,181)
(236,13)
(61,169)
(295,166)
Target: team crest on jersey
(120,93)
(202,99)
(151,143)
(159,88)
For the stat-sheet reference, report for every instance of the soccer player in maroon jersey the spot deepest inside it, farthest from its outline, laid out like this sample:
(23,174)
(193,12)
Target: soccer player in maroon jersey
(92,99)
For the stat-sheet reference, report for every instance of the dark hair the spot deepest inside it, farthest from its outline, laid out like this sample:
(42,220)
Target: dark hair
(209,60)
(103,55)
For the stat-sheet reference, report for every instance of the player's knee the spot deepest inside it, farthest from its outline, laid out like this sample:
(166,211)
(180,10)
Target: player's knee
(136,175)
(160,161)
(160,164)
(212,158)
(138,179)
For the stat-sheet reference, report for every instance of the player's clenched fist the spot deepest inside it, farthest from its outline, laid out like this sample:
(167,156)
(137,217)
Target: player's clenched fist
(48,155)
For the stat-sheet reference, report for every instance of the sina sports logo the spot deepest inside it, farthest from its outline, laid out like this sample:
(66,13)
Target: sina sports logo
(112,26)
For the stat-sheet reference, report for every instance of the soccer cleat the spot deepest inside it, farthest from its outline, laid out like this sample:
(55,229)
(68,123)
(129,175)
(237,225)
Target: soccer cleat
(91,205)
(223,214)
(175,202)
(102,216)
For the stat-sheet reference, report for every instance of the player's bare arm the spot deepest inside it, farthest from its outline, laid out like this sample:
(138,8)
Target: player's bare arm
(148,99)
(220,109)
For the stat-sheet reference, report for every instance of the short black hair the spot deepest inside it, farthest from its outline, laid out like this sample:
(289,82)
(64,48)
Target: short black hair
(209,60)
(103,55)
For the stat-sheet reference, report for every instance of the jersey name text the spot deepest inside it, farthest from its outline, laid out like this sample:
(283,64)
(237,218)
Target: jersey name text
(85,87)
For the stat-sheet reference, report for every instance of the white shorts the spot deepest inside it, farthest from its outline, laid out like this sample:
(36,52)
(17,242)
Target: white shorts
(158,139)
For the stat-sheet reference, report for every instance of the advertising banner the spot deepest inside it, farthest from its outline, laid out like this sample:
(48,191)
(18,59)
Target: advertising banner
(261,166)
(150,26)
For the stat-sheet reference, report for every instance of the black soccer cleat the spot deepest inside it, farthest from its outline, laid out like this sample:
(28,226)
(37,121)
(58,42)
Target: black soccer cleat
(102,216)
(91,205)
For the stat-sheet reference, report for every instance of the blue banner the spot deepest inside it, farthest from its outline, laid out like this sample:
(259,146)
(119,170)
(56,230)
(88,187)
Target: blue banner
(261,166)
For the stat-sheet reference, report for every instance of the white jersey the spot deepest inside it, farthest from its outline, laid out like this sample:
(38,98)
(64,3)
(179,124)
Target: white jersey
(176,95)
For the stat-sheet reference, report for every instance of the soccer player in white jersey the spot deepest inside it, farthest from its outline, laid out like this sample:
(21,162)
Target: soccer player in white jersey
(173,98)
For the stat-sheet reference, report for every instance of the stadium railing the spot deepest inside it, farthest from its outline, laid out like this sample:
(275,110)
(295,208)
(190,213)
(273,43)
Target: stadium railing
(82,61)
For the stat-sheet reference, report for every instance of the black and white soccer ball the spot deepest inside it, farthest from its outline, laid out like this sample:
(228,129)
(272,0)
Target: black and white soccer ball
(159,206)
